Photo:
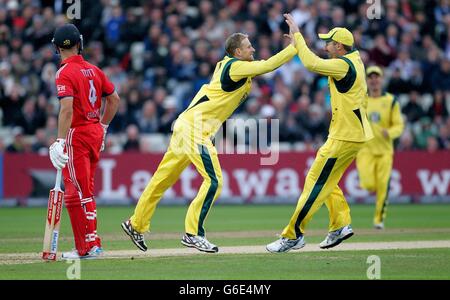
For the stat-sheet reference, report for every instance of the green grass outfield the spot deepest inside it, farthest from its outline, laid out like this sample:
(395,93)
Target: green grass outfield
(21,231)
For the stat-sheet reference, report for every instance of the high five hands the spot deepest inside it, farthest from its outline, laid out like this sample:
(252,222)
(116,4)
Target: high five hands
(293,28)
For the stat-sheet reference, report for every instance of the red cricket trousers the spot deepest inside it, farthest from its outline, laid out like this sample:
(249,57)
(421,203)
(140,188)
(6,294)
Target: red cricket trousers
(83,148)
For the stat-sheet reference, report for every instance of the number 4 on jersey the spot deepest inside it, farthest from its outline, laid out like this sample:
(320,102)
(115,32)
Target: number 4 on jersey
(92,93)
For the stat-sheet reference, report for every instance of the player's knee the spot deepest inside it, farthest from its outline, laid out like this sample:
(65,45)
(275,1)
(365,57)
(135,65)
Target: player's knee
(71,200)
(69,189)
(219,185)
(367,184)
(215,182)
(368,187)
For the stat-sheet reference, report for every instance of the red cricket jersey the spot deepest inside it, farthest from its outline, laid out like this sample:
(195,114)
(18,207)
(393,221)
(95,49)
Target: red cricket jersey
(87,84)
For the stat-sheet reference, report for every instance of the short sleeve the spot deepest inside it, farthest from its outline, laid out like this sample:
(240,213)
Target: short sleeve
(64,86)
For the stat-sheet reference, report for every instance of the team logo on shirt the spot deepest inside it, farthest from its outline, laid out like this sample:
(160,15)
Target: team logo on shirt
(375,117)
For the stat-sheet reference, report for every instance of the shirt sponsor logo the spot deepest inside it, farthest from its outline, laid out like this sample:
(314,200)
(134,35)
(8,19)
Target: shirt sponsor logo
(375,117)
(93,114)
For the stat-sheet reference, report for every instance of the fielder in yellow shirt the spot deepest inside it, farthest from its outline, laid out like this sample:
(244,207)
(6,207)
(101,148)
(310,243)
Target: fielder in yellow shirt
(191,140)
(349,130)
(374,160)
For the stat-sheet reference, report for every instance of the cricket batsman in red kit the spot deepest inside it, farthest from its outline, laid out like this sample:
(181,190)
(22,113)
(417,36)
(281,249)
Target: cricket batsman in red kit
(81,136)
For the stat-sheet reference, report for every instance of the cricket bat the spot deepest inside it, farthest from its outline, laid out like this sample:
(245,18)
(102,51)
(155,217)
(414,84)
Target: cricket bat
(53,220)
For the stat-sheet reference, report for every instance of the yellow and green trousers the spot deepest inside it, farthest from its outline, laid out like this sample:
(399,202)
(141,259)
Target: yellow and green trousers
(185,148)
(374,176)
(321,186)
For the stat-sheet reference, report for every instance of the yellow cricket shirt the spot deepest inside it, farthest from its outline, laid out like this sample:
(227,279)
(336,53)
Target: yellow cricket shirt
(384,113)
(229,87)
(348,89)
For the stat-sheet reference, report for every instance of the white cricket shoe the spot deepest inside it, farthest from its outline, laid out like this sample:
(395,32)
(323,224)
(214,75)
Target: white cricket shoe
(199,242)
(94,253)
(379,225)
(334,238)
(284,244)
(136,237)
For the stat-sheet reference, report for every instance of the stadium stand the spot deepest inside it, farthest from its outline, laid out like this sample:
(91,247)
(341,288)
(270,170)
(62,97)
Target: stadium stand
(158,54)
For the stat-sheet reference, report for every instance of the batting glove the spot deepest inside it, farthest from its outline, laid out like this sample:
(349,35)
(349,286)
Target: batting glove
(57,156)
(105,129)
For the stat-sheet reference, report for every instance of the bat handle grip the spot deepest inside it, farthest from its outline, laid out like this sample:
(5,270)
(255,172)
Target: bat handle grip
(58,179)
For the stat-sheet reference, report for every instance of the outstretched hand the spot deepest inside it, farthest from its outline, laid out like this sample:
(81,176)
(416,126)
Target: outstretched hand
(293,27)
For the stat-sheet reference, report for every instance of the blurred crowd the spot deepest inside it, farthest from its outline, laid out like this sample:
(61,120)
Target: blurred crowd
(159,53)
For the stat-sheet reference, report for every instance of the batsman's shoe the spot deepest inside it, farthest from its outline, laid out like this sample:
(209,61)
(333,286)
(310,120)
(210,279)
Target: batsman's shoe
(70,255)
(136,237)
(334,238)
(198,242)
(94,253)
(379,225)
(284,245)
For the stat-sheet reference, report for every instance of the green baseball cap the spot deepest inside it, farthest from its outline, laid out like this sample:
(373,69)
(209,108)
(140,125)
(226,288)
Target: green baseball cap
(338,34)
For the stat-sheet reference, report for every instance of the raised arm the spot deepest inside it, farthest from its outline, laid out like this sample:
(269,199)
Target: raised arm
(334,67)
(241,69)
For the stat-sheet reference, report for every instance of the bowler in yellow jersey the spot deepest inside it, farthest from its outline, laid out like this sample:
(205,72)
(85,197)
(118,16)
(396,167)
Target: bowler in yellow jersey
(349,130)
(191,140)
(374,160)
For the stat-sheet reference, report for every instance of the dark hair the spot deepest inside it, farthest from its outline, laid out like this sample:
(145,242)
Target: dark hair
(233,42)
